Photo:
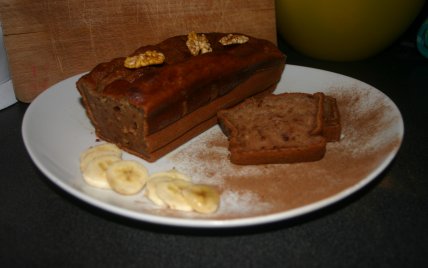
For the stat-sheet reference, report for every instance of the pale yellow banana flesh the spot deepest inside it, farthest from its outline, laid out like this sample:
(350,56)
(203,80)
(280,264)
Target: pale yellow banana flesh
(160,176)
(127,177)
(151,192)
(96,172)
(91,156)
(170,193)
(172,173)
(110,147)
(202,198)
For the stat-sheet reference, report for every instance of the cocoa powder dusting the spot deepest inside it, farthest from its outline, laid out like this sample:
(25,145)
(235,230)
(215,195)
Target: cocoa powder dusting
(369,135)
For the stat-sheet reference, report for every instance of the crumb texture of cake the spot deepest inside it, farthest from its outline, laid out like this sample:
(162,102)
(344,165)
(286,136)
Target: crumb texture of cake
(285,128)
(150,111)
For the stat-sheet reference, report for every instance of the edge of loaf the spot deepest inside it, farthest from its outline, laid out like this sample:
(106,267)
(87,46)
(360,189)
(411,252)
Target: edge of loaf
(332,126)
(152,110)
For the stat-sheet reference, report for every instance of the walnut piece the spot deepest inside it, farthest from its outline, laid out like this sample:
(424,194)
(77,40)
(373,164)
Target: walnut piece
(196,43)
(146,59)
(233,39)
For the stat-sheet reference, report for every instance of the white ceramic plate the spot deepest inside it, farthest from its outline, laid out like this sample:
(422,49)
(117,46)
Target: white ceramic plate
(56,130)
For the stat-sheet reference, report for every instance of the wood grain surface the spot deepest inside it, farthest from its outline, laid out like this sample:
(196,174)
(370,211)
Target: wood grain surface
(49,41)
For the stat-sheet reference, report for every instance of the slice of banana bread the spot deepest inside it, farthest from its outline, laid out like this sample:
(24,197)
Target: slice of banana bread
(285,128)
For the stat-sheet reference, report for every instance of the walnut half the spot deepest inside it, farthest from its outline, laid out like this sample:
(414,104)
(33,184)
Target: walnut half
(146,59)
(196,43)
(233,39)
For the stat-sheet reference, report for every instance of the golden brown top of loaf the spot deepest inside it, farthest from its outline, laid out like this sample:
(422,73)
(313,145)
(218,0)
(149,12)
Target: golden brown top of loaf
(183,82)
(289,120)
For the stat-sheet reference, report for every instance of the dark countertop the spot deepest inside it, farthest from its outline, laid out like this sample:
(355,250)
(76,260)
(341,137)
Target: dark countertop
(383,225)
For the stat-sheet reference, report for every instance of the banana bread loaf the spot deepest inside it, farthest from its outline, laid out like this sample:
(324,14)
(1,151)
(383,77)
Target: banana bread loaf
(152,110)
(285,128)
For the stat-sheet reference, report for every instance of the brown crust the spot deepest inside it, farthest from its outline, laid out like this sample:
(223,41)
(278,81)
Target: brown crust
(313,151)
(332,127)
(198,130)
(151,129)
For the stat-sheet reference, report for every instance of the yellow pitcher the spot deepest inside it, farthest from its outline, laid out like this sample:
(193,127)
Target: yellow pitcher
(344,30)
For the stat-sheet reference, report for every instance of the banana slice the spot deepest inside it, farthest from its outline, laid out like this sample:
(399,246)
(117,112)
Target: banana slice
(91,156)
(173,174)
(161,176)
(202,198)
(96,172)
(110,147)
(170,193)
(151,192)
(127,176)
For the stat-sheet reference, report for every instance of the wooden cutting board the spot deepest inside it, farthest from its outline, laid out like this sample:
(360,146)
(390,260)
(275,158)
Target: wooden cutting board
(49,41)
